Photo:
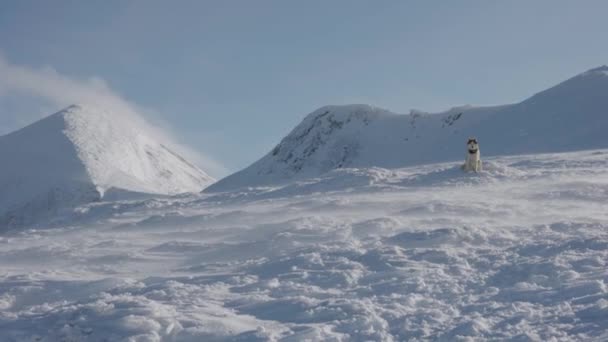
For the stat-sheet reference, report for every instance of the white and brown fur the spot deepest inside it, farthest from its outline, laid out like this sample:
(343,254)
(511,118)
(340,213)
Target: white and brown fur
(473,159)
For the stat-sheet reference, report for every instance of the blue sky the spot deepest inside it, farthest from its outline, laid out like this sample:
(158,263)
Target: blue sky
(231,78)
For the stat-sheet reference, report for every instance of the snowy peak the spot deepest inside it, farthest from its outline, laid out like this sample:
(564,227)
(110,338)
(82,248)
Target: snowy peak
(318,129)
(334,137)
(572,115)
(122,151)
(344,113)
(80,154)
(601,71)
(328,138)
(593,81)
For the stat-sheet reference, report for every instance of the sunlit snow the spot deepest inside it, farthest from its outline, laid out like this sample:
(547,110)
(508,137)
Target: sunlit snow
(519,251)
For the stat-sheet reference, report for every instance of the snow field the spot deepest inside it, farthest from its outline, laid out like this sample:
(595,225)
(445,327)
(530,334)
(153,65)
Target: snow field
(519,252)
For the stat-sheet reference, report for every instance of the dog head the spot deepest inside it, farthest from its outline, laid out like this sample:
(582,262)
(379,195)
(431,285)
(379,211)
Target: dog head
(472,145)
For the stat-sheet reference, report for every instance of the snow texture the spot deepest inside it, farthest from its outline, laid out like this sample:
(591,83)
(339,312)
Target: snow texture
(346,231)
(83,154)
(570,116)
(516,252)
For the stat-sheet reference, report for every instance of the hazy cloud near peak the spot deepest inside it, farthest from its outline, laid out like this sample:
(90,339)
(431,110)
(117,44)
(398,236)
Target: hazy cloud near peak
(43,91)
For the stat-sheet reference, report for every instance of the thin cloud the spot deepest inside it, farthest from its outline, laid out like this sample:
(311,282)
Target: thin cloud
(46,85)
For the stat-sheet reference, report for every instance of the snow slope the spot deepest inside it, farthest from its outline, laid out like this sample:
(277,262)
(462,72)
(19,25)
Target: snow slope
(82,154)
(570,116)
(516,252)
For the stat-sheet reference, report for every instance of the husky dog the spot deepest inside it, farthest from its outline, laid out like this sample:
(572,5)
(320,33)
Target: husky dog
(473,159)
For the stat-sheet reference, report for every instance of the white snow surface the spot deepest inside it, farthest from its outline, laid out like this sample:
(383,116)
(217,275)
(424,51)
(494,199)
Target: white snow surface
(570,116)
(83,154)
(516,252)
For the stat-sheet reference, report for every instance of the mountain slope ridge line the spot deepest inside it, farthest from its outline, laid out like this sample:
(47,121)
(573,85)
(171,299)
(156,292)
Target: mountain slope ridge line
(570,116)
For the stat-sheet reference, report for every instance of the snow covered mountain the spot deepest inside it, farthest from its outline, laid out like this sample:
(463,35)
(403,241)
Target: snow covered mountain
(82,154)
(570,116)
(516,252)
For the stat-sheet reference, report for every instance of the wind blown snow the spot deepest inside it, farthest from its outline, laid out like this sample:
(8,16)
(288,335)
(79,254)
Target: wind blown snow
(83,154)
(519,251)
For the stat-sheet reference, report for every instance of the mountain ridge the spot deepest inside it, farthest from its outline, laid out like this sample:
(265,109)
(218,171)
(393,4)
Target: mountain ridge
(366,136)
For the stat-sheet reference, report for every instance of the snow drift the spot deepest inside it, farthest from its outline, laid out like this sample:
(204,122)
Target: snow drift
(570,116)
(518,252)
(83,154)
